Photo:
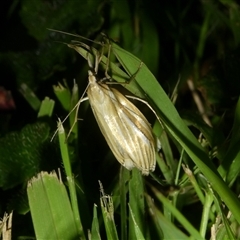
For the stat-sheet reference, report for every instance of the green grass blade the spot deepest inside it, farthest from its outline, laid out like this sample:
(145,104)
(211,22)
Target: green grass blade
(138,233)
(206,212)
(108,217)
(176,127)
(30,97)
(137,204)
(70,178)
(185,223)
(68,101)
(225,221)
(123,187)
(230,166)
(168,166)
(50,208)
(165,228)
(95,232)
(46,108)
(63,94)
(73,116)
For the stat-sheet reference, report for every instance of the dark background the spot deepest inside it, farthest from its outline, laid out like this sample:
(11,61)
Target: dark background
(180,40)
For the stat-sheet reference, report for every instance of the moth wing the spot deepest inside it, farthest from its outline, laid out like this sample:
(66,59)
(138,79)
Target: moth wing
(144,141)
(124,127)
(104,112)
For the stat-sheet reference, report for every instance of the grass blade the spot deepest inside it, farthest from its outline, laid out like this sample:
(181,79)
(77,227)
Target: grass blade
(50,208)
(108,215)
(176,127)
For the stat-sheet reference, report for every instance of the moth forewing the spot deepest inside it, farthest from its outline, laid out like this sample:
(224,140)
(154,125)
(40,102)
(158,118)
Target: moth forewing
(126,130)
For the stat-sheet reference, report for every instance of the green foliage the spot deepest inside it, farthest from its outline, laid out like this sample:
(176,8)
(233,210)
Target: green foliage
(46,192)
(191,48)
(21,154)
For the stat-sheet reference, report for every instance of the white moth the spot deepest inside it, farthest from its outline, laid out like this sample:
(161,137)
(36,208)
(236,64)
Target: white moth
(126,130)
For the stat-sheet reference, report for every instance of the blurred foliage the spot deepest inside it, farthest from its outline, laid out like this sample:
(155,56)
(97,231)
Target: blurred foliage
(21,154)
(187,40)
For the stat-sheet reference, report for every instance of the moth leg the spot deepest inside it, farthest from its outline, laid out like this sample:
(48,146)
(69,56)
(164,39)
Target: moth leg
(135,74)
(107,64)
(149,106)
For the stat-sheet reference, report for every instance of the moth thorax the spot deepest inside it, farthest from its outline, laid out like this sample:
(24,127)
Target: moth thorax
(91,77)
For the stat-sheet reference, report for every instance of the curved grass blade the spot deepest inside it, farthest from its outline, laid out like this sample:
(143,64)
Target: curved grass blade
(185,223)
(175,125)
(138,233)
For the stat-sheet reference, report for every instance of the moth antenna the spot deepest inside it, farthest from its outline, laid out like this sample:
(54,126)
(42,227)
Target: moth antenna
(79,44)
(77,109)
(75,35)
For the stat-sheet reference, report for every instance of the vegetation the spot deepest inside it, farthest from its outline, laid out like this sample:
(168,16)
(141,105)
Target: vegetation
(73,187)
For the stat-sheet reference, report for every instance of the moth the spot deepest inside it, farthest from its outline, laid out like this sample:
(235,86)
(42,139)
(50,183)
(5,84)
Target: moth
(126,130)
